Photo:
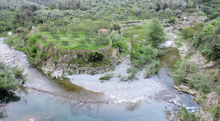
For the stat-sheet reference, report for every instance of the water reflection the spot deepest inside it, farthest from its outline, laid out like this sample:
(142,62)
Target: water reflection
(46,107)
(5,98)
(8,96)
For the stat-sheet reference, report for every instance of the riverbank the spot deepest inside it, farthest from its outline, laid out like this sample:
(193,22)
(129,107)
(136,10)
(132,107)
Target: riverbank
(114,91)
(207,101)
(130,91)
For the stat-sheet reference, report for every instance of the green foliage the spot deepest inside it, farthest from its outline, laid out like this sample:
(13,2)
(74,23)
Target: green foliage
(152,68)
(172,20)
(49,73)
(65,43)
(216,113)
(144,55)
(95,56)
(10,77)
(18,72)
(45,27)
(184,115)
(119,32)
(182,68)
(155,34)
(116,27)
(107,76)
(186,33)
(102,40)
(80,61)
(121,45)
(206,39)
(189,74)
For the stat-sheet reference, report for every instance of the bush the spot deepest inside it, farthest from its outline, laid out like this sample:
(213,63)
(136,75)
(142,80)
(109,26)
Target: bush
(187,33)
(172,20)
(65,43)
(10,77)
(119,32)
(116,27)
(121,45)
(184,115)
(45,27)
(18,72)
(106,76)
(152,68)
(49,73)
(95,56)
(102,40)
(80,61)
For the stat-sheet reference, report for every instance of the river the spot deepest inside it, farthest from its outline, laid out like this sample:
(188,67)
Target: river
(49,100)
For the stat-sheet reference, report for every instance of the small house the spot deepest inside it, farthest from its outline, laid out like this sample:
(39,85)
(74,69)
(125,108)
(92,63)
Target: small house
(103,31)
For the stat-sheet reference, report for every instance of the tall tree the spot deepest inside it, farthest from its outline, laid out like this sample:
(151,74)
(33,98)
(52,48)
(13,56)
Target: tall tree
(155,34)
(23,33)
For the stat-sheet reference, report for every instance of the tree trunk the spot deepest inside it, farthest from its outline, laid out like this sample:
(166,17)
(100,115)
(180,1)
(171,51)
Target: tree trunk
(27,47)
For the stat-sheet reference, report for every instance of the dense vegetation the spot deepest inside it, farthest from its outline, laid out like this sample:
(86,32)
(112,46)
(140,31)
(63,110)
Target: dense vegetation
(143,41)
(77,34)
(10,77)
(204,38)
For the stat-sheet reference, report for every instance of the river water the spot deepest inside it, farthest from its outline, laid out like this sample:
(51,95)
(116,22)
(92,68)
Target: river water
(51,100)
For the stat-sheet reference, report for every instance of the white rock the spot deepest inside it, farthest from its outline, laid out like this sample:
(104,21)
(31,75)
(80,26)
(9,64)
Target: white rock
(9,33)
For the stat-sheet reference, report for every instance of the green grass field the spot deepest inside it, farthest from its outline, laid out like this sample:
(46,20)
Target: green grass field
(73,43)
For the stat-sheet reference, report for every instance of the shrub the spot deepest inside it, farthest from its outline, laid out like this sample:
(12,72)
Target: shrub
(183,114)
(45,27)
(95,56)
(49,73)
(106,76)
(80,61)
(152,68)
(18,72)
(101,40)
(116,27)
(65,43)
(10,77)
(172,20)
(187,33)
(119,32)
(121,45)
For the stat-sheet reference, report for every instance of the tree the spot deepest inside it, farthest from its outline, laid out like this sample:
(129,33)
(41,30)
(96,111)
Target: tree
(82,42)
(131,35)
(101,40)
(116,27)
(155,34)
(23,33)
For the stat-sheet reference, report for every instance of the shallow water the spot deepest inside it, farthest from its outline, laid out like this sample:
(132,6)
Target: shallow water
(54,103)
(48,108)
(167,63)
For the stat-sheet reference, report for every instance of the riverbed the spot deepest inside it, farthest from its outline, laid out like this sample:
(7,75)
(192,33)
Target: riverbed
(140,99)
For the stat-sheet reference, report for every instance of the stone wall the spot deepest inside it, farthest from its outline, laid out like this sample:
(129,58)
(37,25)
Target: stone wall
(40,45)
(63,68)
(44,38)
(62,58)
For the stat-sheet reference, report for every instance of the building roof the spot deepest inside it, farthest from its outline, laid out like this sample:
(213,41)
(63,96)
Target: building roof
(103,30)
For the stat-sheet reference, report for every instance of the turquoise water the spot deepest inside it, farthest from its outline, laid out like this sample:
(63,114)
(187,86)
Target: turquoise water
(44,107)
